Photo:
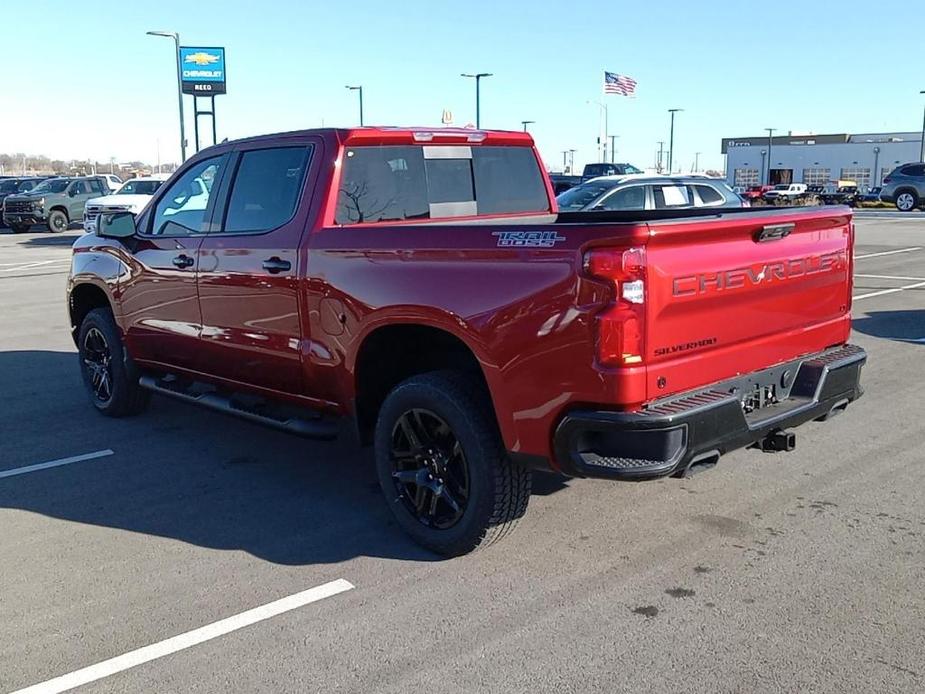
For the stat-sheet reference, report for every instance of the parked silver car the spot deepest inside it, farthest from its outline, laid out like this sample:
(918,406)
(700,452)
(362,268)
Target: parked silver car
(905,187)
(648,192)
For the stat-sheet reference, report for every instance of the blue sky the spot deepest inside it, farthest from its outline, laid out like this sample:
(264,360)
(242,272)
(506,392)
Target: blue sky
(106,89)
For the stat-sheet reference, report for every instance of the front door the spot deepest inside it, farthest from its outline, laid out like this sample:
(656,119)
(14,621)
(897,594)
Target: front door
(250,265)
(159,299)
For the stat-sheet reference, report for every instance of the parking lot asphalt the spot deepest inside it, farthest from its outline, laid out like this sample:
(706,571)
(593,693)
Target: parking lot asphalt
(788,572)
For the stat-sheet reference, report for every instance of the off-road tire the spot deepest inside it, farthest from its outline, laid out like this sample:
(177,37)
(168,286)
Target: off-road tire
(126,398)
(57,222)
(499,489)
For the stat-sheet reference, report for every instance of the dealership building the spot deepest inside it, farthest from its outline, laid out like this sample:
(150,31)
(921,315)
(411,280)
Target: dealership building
(818,159)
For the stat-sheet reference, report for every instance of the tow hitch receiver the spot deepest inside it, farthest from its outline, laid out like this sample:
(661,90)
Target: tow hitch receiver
(778,441)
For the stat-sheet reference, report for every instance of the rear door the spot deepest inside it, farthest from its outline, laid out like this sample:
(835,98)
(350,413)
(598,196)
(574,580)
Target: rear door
(740,292)
(249,267)
(158,297)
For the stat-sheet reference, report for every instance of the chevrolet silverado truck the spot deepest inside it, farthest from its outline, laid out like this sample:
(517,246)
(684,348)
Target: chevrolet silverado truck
(55,202)
(418,289)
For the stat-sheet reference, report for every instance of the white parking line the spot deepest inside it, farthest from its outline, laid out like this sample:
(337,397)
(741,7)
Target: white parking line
(889,291)
(182,641)
(892,277)
(54,463)
(29,266)
(877,255)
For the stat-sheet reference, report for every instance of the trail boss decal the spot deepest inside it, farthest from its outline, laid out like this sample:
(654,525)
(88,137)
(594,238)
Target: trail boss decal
(527,239)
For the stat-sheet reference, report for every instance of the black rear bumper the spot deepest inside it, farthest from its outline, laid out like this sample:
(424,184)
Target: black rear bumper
(671,436)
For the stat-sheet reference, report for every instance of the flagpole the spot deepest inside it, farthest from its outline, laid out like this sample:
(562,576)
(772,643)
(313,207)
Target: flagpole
(601,146)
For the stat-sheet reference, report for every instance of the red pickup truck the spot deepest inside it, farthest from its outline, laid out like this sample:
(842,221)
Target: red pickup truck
(421,285)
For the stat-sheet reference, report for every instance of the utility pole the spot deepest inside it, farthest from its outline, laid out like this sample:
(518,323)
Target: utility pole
(770,137)
(478,80)
(672,111)
(661,154)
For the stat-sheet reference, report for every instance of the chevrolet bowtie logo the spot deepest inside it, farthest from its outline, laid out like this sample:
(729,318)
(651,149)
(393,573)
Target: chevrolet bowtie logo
(201,58)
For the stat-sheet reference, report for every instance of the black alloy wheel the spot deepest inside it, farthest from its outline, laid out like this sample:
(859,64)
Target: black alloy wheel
(429,469)
(97,357)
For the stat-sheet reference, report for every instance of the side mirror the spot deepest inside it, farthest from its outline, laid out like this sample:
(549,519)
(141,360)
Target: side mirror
(116,225)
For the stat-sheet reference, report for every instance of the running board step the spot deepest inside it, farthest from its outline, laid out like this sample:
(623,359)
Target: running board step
(257,411)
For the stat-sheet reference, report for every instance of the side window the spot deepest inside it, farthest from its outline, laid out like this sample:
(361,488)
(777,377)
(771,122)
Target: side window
(182,208)
(914,170)
(669,196)
(80,188)
(95,186)
(630,198)
(709,195)
(266,189)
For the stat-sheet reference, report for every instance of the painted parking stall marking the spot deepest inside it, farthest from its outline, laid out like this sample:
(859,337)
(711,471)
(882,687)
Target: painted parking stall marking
(883,253)
(883,292)
(191,638)
(55,463)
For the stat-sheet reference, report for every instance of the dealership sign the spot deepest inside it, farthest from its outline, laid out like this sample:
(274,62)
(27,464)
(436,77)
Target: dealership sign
(202,71)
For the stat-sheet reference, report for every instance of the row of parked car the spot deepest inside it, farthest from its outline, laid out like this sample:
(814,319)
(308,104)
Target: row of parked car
(57,202)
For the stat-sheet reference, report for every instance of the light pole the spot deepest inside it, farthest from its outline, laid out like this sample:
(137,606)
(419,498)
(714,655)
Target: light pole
(571,161)
(613,147)
(604,125)
(661,154)
(696,162)
(564,161)
(922,148)
(770,138)
(525,123)
(358,88)
(764,153)
(876,167)
(478,81)
(672,111)
(176,39)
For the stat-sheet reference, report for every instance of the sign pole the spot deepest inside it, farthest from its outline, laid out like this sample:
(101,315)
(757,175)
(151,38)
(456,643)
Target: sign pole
(196,120)
(214,135)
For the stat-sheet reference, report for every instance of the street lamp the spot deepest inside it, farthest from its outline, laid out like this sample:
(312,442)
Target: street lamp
(876,169)
(176,39)
(525,123)
(770,136)
(922,148)
(358,88)
(672,111)
(478,79)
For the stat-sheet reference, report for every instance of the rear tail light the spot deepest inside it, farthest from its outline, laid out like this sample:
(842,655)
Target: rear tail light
(887,179)
(620,326)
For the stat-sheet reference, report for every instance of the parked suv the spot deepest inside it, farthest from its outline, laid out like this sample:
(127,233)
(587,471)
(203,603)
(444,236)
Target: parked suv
(55,203)
(612,193)
(905,187)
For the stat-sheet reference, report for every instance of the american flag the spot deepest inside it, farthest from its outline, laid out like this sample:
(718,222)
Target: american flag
(619,84)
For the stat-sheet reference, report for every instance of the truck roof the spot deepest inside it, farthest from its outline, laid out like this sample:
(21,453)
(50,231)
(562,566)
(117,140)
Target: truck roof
(381,135)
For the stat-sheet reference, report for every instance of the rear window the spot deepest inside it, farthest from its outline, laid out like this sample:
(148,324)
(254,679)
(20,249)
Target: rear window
(396,183)
(709,195)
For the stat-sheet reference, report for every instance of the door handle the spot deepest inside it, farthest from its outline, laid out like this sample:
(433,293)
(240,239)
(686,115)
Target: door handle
(774,232)
(274,265)
(183,261)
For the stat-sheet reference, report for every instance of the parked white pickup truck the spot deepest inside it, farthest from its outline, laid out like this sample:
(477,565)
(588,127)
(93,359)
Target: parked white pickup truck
(131,197)
(786,193)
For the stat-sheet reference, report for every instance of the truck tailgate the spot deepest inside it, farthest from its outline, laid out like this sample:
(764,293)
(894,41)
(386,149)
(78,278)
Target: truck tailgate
(737,293)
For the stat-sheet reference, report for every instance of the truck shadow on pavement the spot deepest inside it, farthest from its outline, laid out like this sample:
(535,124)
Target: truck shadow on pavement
(902,326)
(65,240)
(192,475)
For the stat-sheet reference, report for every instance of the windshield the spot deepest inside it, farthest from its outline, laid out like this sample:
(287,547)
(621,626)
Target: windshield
(139,188)
(579,197)
(630,169)
(782,186)
(9,186)
(50,187)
